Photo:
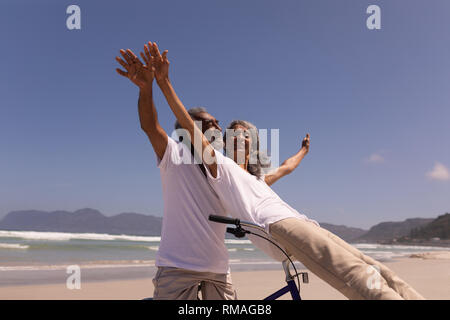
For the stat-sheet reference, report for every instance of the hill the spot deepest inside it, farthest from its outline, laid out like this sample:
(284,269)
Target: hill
(82,221)
(438,228)
(89,220)
(387,231)
(93,221)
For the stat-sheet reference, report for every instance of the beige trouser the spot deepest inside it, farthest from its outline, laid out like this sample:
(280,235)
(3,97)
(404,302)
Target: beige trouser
(338,263)
(180,284)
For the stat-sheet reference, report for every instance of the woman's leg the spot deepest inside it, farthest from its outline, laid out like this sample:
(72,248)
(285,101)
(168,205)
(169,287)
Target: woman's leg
(400,286)
(342,269)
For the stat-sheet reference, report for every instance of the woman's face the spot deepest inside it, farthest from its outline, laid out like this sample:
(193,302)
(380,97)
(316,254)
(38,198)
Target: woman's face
(241,140)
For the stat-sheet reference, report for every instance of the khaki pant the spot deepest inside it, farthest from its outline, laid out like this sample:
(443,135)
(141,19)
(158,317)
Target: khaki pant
(341,265)
(180,284)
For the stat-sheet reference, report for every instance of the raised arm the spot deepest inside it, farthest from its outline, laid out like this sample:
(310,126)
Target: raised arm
(142,76)
(290,164)
(201,145)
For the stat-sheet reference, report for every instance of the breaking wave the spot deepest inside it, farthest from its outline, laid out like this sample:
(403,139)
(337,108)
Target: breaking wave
(64,236)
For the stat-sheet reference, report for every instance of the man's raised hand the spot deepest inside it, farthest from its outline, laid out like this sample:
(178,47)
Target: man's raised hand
(141,75)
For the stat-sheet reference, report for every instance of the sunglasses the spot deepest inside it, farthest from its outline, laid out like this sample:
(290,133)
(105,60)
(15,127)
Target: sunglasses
(208,122)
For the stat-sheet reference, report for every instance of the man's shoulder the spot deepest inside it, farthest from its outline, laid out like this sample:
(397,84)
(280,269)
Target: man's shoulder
(177,146)
(172,141)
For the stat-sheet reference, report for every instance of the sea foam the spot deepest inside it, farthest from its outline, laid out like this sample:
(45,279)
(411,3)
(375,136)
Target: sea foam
(13,246)
(64,236)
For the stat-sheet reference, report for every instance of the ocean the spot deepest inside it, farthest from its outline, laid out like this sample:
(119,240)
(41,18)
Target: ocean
(29,248)
(105,256)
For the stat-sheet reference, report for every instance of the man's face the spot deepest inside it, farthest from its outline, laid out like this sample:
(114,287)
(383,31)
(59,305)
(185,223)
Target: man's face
(208,121)
(211,129)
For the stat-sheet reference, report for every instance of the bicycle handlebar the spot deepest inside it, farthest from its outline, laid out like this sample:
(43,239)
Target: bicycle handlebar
(236,222)
(240,232)
(226,220)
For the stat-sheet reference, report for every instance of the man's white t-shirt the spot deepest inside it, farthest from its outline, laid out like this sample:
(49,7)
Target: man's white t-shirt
(250,199)
(188,239)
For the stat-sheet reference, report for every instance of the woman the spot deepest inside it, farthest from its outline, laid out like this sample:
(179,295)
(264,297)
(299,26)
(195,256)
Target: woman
(247,196)
(245,145)
(242,145)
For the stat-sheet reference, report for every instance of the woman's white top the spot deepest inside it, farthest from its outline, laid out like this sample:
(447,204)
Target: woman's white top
(248,198)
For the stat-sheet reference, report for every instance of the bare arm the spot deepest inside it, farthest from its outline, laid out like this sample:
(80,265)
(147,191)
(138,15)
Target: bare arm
(203,147)
(142,76)
(290,164)
(149,122)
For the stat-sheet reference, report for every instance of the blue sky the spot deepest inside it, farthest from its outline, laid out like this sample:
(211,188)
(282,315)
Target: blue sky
(376,102)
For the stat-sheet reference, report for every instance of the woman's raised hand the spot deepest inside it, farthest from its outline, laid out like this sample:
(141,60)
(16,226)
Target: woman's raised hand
(305,143)
(160,62)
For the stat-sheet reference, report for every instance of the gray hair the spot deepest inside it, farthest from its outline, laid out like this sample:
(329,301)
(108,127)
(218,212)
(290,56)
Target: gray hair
(192,112)
(254,167)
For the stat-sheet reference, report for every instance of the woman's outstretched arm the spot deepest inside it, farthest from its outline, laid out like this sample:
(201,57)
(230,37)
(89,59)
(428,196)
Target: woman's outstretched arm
(201,145)
(290,164)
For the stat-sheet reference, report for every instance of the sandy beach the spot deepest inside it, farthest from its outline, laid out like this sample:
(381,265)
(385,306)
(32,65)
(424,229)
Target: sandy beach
(429,274)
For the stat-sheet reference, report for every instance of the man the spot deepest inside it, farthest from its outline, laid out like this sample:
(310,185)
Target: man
(192,250)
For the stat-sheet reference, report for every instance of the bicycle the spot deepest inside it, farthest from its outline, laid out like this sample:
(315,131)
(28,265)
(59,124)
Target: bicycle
(240,232)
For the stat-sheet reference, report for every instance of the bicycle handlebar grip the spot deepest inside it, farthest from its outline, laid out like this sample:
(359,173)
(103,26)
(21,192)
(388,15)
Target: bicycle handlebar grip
(222,219)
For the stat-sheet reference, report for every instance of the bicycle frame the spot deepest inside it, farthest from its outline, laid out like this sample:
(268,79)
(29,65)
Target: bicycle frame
(290,282)
(291,286)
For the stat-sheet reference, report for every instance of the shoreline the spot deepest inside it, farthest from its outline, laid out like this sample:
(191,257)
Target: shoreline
(428,276)
(120,270)
(438,244)
(53,274)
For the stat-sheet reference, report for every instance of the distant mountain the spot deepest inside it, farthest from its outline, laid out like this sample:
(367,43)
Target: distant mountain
(82,221)
(348,234)
(438,228)
(93,221)
(386,231)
